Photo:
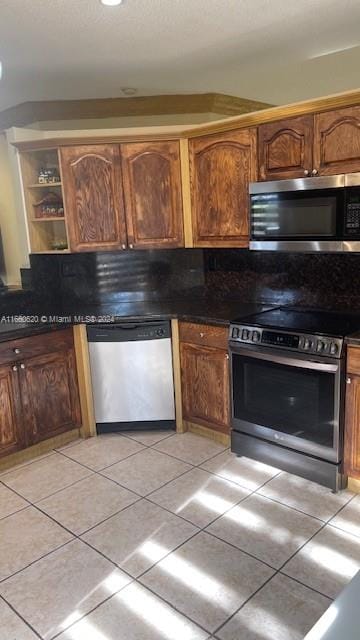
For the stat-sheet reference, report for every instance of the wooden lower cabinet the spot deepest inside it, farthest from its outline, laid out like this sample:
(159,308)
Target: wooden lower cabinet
(49,395)
(12,432)
(352,426)
(205,386)
(39,396)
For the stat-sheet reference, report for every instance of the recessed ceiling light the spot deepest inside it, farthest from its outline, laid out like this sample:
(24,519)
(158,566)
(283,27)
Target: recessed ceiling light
(111,3)
(128,91)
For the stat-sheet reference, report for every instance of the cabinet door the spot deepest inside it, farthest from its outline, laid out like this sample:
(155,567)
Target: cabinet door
(50,395)
(93,197)
(205,386)
(152,188)
(286,148)
(337,141)
(352,427)
(12,435)
(221,167)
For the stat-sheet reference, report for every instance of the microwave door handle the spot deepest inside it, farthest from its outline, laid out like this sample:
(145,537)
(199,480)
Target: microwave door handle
(291,362)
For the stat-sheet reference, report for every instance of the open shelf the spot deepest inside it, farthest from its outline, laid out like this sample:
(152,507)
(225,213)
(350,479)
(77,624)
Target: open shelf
(48,231)
(44,185)
(49,219)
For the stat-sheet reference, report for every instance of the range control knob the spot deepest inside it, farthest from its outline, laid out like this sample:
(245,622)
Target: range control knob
(320,346)
(235,332)
(334,348)
(255,336)
(307,343)
(245,334)
(160,332)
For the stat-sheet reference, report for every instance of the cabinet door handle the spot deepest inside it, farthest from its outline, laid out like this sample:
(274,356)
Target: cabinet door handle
(314,172)
(227,356)
(348,380)
(201,334)
(131,246)
(16,350)
(14,368)
(22,366)
(306,172)
(123,246)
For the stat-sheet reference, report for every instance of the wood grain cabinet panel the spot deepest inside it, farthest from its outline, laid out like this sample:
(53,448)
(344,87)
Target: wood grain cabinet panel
(204,334)
(221,167)
(205,386)
(153,200)
(50,395)
(352,427)
(12,435)
(337,141)
(93,197)
(285,148)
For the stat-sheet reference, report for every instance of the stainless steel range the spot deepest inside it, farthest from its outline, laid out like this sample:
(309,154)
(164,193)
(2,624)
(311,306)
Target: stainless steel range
(288,379)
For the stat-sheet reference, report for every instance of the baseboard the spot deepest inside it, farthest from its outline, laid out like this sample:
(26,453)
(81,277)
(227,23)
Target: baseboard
(39,449)
(217,436)
(354,484)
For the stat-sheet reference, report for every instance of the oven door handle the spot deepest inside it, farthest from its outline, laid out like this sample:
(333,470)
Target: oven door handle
(292,362)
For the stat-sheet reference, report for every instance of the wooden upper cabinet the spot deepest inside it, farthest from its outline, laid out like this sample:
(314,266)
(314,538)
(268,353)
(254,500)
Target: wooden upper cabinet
(285,148)
(12,436)
(50,395)
(93,197)
(337,141)
(152,188)
(205,386)
(221,167)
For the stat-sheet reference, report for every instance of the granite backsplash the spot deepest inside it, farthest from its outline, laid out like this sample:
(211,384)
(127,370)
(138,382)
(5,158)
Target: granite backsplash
(119,276)
(320,280)
(316,280)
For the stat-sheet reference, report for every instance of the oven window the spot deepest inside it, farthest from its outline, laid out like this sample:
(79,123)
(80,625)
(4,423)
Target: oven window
(295,214)
(297,402)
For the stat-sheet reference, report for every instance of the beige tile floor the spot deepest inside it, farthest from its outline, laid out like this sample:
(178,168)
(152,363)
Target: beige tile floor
(160,536)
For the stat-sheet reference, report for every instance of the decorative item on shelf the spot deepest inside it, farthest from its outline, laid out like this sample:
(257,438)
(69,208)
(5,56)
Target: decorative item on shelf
(50,206)
(49,175)
(59,245)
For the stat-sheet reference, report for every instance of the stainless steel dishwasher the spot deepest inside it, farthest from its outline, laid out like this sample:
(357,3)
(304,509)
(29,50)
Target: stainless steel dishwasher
(132,376)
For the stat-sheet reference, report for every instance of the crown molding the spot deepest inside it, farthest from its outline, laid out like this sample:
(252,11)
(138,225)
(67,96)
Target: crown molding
(29,112)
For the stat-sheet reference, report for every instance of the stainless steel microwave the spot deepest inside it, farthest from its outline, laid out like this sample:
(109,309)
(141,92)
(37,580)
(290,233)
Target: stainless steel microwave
(306,214)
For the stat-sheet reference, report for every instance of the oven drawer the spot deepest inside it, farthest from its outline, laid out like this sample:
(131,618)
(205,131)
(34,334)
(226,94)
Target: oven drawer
(204,334)
(36,345)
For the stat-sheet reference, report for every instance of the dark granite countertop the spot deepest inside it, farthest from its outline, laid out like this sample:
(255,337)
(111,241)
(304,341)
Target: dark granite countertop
(202,310)
(13,330)
(353,339)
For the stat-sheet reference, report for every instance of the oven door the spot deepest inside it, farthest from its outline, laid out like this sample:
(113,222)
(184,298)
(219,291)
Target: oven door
(288,399)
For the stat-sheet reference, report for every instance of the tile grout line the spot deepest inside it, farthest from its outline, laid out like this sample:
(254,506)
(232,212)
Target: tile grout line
(176,515)
(2,580)
(137,579)
(21,617)
(203,530)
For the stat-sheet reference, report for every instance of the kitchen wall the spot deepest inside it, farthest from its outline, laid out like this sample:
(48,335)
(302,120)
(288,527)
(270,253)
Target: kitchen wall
(319,280)
(10,259)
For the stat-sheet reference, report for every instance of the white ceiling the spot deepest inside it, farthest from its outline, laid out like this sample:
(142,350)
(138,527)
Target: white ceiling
(273,50)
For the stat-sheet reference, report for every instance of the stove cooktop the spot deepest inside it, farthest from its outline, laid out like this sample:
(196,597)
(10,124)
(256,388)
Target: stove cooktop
(331,323)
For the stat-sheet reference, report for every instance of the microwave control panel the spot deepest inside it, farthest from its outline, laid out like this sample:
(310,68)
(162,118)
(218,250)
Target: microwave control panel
(352,213)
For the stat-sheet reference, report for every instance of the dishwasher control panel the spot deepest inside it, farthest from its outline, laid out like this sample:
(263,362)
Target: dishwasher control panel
(129,331)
